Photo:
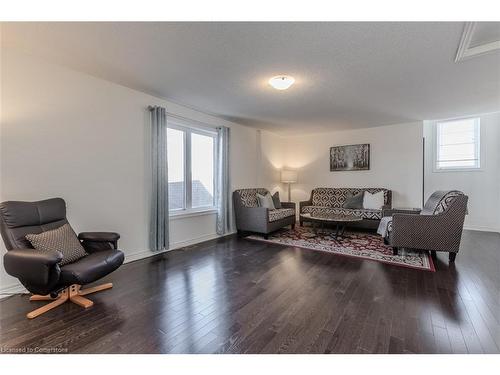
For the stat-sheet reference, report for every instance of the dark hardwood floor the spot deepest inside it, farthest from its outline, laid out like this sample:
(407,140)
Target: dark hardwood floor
(240,296)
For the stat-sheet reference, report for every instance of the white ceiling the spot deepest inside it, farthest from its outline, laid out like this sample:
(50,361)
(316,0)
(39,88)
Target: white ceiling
(485,32)
(348,75)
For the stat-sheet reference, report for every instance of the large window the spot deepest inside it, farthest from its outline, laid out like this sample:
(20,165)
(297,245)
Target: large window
(176,169)
(202,170)
(458,144)
(191,168)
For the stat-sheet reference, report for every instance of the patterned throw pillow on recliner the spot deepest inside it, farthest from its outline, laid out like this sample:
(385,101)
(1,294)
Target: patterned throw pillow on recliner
(62,239)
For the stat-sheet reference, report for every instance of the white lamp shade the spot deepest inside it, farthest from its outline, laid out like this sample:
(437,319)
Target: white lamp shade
(288,176)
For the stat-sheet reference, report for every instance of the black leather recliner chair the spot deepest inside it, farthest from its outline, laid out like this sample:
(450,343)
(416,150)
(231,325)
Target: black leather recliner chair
(39,271)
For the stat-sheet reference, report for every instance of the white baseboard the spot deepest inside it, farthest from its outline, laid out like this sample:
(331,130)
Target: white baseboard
(174,246)
(19,288)
(194,241)
(480,228)
(9,290)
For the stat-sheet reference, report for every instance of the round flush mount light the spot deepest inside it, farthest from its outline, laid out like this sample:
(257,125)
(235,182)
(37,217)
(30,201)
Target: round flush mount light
(282,82)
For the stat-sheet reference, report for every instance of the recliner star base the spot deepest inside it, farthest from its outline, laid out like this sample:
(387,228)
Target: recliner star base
(72,293)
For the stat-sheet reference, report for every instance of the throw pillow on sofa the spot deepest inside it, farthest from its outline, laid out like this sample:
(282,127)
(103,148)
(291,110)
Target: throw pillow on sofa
(373,201)
(354,201)
(265,201)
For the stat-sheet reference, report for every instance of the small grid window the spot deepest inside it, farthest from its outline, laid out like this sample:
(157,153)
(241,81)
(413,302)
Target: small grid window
(458,144)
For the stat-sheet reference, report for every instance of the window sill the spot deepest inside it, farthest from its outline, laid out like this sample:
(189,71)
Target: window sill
(181,214)
(457,170)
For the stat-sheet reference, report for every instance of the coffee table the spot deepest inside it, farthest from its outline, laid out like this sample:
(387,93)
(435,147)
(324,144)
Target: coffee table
(339,220)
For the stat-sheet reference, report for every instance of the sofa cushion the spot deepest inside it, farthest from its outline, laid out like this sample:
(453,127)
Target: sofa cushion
(354,200)
(373,201)
(276,200)
(266,201)
(336,197)
(363,213)
(92,267)
(249,196)
(280,213)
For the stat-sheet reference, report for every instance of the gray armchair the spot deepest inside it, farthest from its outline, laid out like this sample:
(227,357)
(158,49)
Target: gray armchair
(438,227)
(252,218)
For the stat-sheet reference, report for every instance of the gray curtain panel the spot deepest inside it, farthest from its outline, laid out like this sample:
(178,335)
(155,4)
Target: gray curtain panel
(159,236)
(222,183)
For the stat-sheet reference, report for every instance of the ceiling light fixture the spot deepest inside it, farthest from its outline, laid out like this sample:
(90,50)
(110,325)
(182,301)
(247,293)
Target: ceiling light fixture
(281,82)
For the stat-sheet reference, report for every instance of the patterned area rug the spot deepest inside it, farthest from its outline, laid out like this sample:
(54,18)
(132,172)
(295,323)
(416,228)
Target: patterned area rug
(356,244)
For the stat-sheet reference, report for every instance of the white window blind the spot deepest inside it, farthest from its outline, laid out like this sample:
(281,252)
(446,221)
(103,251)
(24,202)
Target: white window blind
(458,144)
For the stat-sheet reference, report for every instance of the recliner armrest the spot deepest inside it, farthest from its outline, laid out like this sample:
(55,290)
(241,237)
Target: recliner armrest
(31,265)
(96,241)
(99,236)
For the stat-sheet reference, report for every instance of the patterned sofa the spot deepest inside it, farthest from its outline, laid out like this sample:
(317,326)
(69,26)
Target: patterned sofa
(252,218)
(438,227)
(331,201)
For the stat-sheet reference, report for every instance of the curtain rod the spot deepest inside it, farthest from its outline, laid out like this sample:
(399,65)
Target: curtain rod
(202,124)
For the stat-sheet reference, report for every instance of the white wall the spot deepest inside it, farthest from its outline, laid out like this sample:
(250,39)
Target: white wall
(272,152)
(483,186)
(67,134)
(395,163)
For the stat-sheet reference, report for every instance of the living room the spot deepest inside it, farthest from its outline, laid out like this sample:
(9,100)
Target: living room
(218,190)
